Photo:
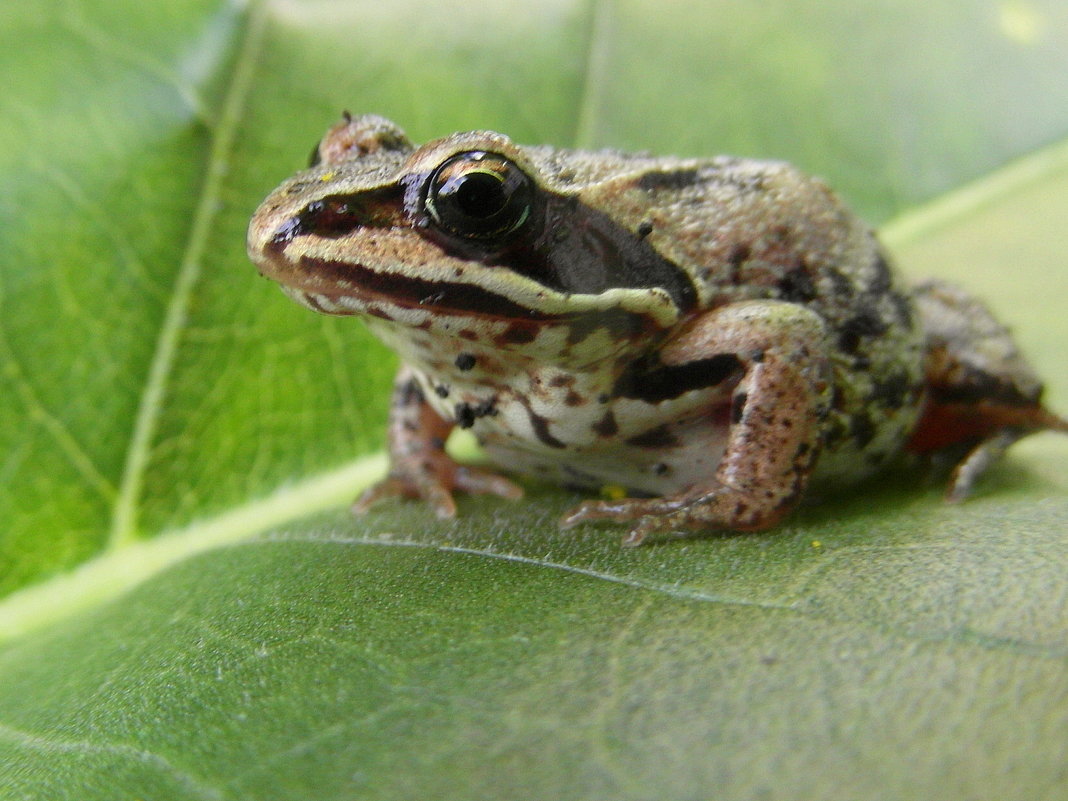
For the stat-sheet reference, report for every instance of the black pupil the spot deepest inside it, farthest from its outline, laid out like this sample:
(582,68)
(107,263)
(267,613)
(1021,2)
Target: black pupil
(481,195)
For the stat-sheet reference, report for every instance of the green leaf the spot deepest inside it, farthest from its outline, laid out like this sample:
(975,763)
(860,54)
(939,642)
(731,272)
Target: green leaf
(189,614)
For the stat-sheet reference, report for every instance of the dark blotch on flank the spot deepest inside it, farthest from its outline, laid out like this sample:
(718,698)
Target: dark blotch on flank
(607,425)
(465,361)
(676,179)
(517,334)
(541,430)
(410,394)
(796,285)
(866,323)
(657,383)
(892,391)
(620,324)
(467,413)
(659,437)
(862,430)
(882,280)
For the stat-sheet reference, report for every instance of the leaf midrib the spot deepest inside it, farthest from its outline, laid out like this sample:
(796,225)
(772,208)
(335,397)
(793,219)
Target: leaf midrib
(124,528)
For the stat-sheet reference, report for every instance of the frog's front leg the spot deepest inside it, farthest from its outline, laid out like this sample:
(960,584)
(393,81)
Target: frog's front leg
(774,438)
(419,466)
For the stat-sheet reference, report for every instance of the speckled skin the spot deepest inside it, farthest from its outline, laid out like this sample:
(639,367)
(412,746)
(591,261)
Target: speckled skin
(716,334)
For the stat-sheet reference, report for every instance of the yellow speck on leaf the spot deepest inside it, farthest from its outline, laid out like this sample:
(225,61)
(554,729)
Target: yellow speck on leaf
(1021,22)
(613,492)
(817,544)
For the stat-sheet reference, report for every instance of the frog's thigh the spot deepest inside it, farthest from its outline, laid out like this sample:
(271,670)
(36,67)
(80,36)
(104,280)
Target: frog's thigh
(774,437)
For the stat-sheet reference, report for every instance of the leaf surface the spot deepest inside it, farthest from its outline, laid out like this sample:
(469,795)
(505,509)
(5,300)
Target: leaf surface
(175,432)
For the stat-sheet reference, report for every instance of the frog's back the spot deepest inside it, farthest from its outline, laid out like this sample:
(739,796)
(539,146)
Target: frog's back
(759,230)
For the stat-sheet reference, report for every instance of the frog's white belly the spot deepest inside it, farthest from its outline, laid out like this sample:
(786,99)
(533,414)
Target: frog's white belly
(576,437)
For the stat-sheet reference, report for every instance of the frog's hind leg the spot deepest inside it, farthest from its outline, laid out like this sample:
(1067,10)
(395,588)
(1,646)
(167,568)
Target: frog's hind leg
(982,395)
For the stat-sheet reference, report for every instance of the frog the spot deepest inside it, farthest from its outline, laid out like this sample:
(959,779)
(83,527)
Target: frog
(716,338)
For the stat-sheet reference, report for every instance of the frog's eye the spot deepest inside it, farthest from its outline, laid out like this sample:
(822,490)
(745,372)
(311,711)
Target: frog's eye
(479,195)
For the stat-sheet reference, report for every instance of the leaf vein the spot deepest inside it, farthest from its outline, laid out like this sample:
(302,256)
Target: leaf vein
(124,525)
(55,745)
(671,590)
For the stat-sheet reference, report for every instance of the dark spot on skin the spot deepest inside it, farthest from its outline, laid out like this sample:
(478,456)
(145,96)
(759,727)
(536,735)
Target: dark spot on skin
(604,397)
(644,229)
(971,385)
(659,437)
(573,399)
(618,323)
(517,334)
(442,391)
(541,430)
(892,391)
(437,443)
(561,380)
(674,180)
(467,413)
(881,281)
(833,433)
(656,383)
(780,235)
(580,479)
(903,308)
(468,334)
(875,459)
(464,362)
(757,356)
(739,254)
(796,285)
(738,407)
(661,469)
(409,394)
(841,283)
(866,323)
(607,425)
(861,430)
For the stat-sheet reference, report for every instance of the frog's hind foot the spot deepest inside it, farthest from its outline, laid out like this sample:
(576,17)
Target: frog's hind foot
(982,394)
(434,484)
(989,451)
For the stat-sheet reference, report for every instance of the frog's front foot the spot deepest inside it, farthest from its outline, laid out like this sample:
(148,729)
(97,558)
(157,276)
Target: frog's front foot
(718,509)
(433,480)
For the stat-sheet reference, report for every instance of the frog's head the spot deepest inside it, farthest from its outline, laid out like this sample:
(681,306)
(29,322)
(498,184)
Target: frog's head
(465,226)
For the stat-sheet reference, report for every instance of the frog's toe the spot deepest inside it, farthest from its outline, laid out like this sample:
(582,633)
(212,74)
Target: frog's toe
(650,516)
(433,492)
(978,460)
(484,482)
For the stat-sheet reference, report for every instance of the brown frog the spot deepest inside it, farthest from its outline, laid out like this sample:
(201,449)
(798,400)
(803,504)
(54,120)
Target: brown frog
(715,335)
